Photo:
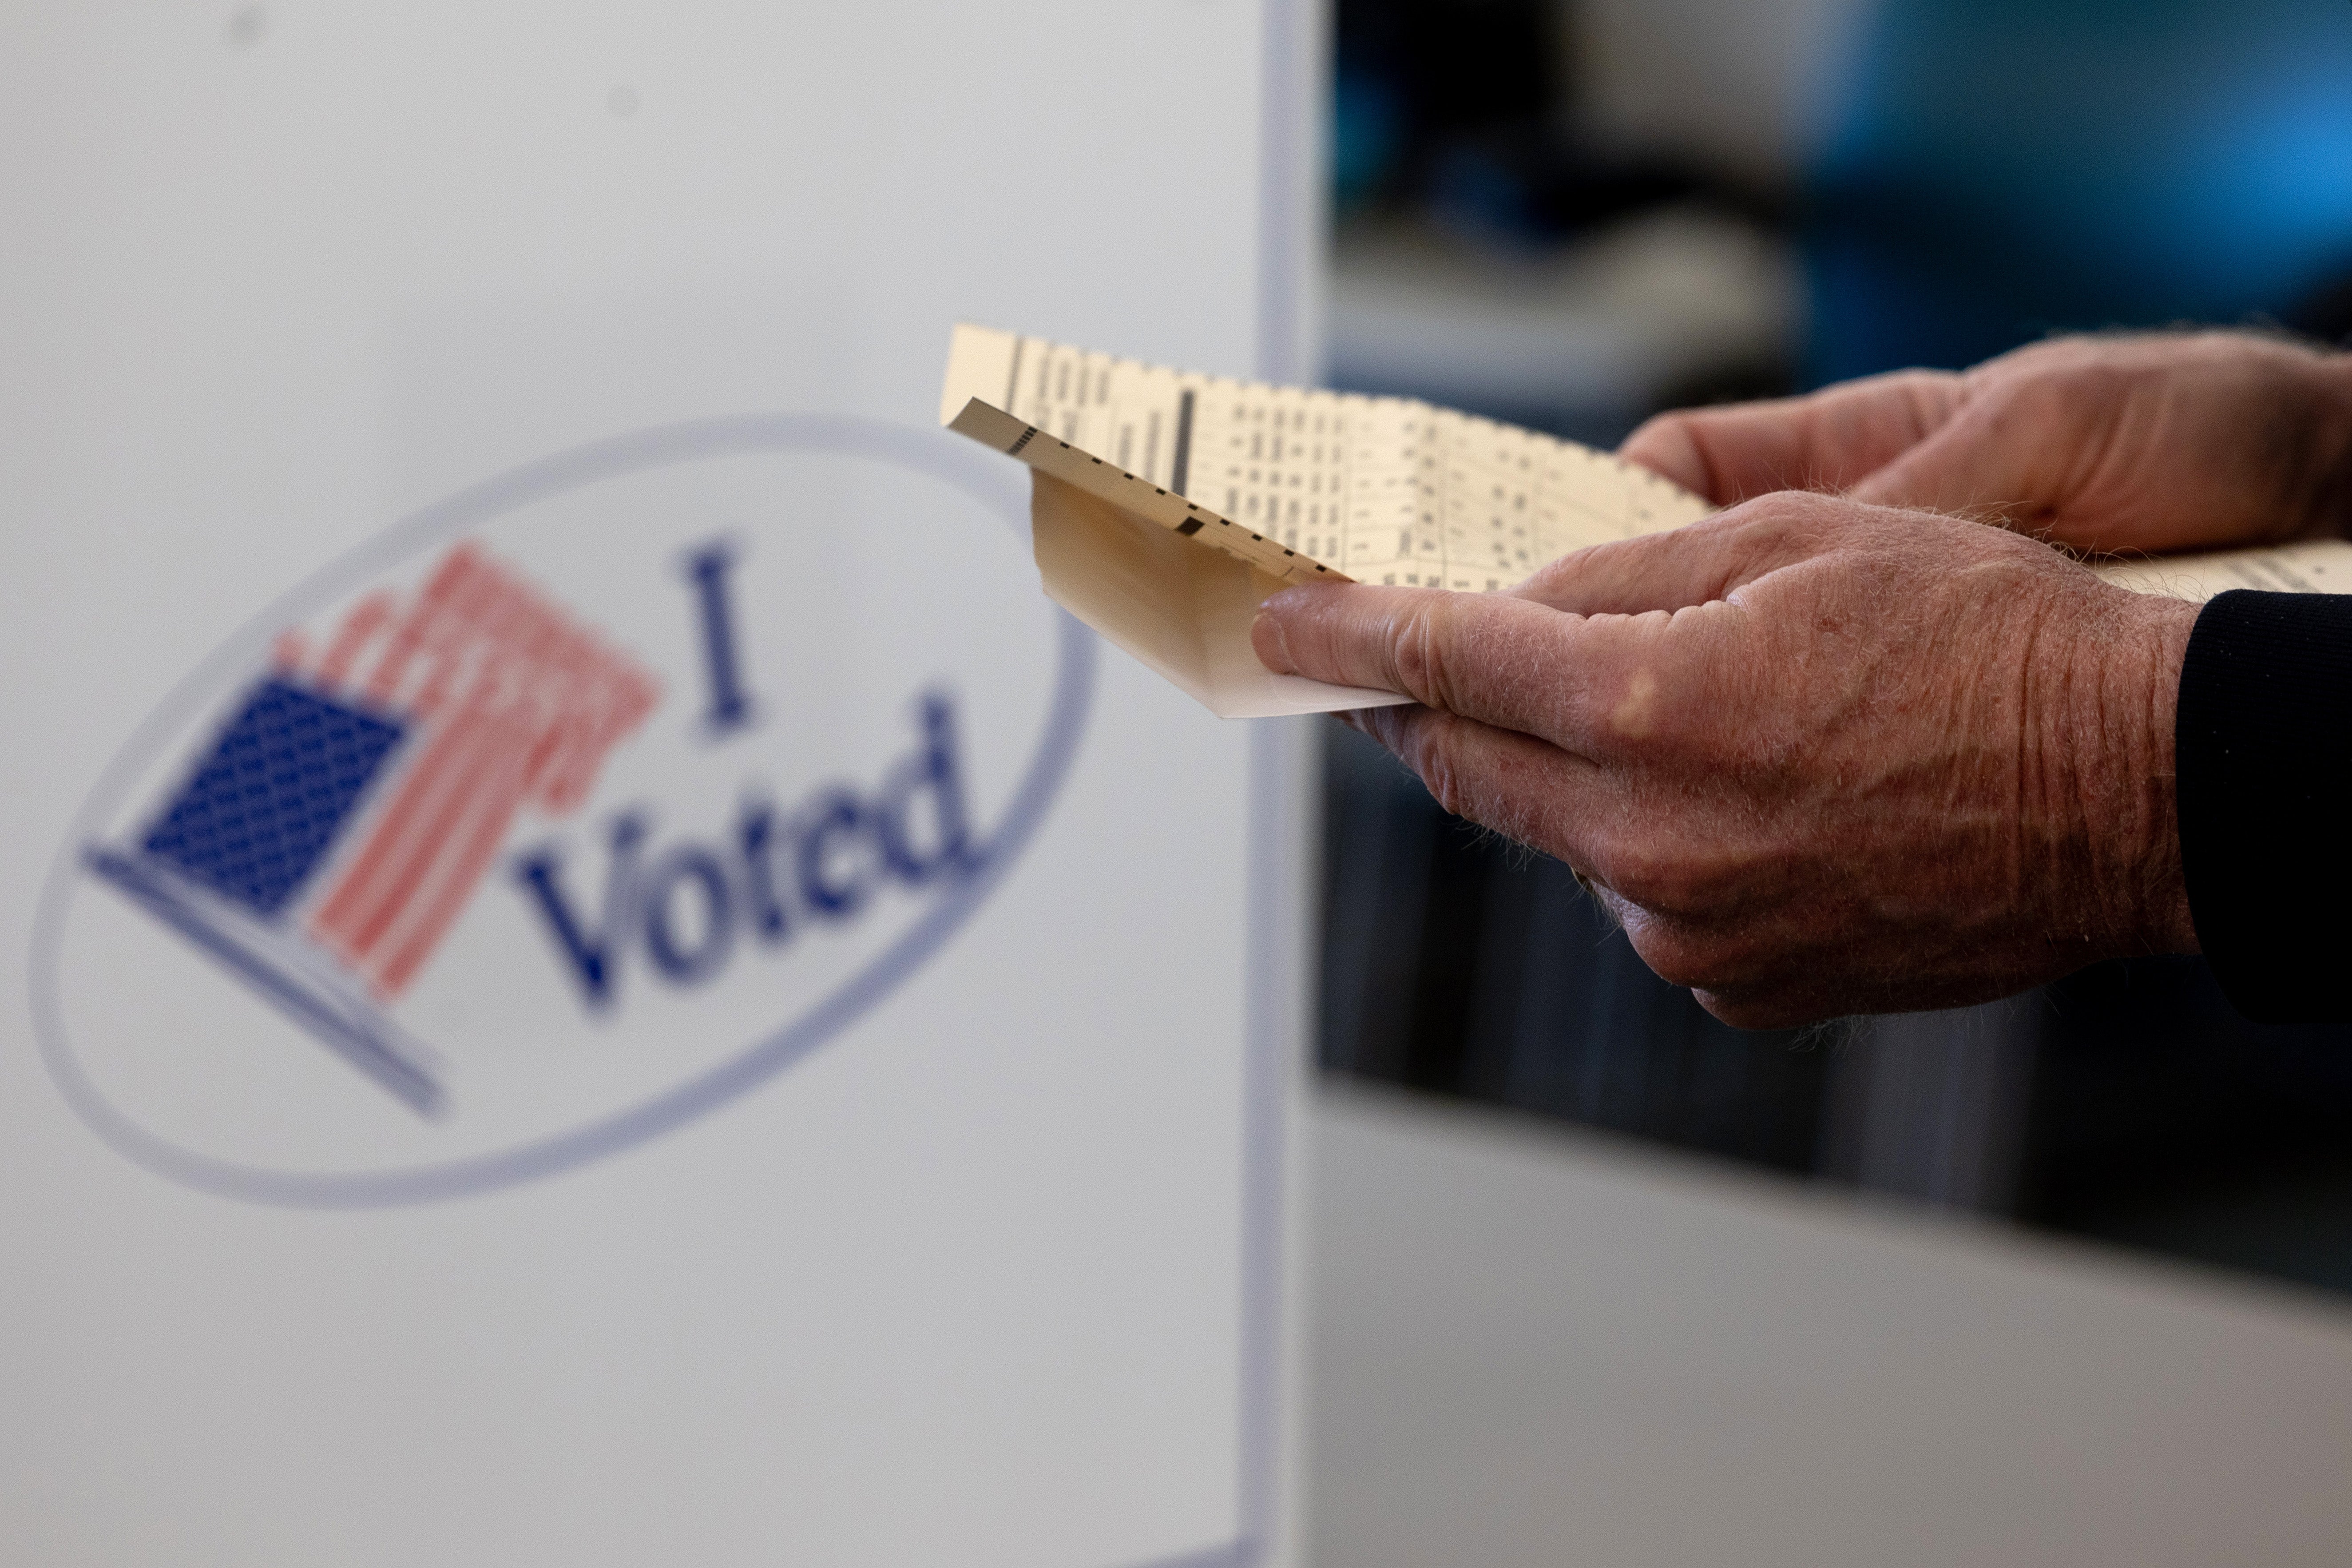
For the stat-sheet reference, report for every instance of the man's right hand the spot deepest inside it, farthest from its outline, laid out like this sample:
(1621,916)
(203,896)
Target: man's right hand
(2129,444)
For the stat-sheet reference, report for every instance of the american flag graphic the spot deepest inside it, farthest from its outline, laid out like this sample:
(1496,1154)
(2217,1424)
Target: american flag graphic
(420,729)
(519,706)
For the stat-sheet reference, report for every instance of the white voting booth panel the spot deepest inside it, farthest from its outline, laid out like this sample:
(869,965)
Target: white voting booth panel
(602,979)
(1552,1348)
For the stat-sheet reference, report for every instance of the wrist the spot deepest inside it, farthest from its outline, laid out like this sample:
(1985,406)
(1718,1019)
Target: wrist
(2124,725)
(2330,501)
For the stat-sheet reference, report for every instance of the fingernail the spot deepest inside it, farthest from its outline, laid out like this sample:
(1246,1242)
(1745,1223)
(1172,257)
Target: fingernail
(1266,636)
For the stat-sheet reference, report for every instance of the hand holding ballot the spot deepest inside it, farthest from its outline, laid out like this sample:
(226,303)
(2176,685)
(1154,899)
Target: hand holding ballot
(1841,747)
(1168,504)
(2109,444)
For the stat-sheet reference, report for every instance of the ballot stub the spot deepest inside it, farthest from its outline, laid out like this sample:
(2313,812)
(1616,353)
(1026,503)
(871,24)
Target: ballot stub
(1137,465)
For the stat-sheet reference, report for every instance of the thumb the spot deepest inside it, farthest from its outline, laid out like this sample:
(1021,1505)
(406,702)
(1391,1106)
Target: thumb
(1694,565)
(1987,458)
(1827,440)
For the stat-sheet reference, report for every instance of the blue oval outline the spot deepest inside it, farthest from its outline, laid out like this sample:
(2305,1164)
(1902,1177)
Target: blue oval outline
(593,463)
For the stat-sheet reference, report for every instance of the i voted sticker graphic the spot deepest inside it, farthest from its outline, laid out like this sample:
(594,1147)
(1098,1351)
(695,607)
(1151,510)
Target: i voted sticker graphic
(560,814)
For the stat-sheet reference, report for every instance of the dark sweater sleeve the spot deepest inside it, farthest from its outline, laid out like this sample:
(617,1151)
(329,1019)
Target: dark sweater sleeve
(2263,743)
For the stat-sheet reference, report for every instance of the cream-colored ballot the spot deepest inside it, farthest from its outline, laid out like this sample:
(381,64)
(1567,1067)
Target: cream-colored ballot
(1288,486)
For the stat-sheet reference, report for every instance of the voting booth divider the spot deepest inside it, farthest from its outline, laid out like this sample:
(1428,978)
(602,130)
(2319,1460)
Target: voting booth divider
(605,980)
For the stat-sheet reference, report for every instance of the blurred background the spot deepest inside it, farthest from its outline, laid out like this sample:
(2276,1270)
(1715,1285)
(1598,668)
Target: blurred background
(1570,213)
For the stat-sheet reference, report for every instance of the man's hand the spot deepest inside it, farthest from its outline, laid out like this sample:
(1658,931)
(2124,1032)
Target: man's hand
(1819,757)
(2124,444)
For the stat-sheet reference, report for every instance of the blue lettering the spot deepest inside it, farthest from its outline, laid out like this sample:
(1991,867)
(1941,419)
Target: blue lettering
(757,837)
(835,824)
(590,954)
(731,705)
(932,772)
(825,860)
(683,963)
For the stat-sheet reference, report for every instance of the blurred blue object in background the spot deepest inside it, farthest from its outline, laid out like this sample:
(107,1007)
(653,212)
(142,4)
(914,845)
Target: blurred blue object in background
(1367,134)
(1996,170)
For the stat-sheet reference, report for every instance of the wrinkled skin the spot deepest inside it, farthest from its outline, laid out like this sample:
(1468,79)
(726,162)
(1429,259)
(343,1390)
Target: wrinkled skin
(1821,754)
(2116,444)
(1819,758)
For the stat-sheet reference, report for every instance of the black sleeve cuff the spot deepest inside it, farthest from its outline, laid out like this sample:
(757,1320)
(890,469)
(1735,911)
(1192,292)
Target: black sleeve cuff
(2263,743)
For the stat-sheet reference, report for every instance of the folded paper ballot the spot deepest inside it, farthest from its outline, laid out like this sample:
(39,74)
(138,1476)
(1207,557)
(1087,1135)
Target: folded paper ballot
(1136,468)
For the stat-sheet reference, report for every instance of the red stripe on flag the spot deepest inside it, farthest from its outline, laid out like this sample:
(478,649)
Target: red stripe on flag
(431,800)
(512,701)
(434,907)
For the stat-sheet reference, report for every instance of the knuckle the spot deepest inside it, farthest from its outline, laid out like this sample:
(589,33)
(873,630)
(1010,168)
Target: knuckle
(1919,384)
(1773,522)
(1663,878)
(1435,763)
(1562,571)
(2053,397)
(1421,645)
(1726,961)
(1435,753)
(1785,508)
(1671,890)
(1397,730)
(1674,955)
(1927,396)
